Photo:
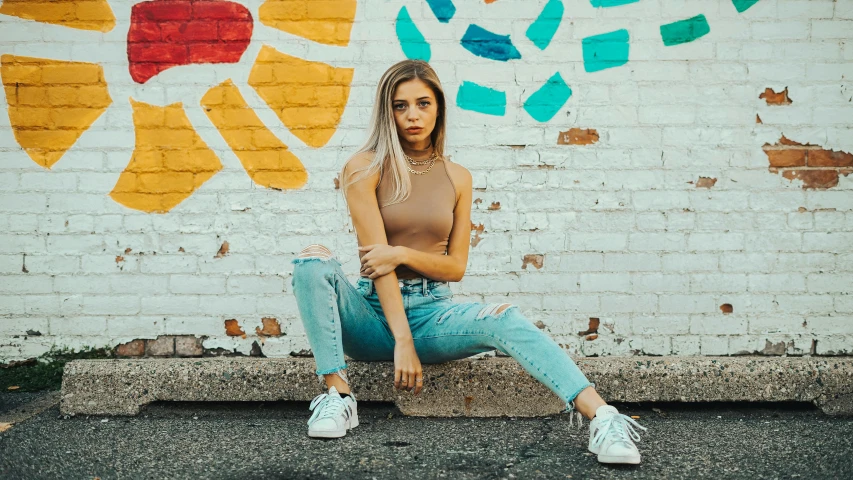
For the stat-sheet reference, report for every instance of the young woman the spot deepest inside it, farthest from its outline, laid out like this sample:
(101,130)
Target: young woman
(411,209)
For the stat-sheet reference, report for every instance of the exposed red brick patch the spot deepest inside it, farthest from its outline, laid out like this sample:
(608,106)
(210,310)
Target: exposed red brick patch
(578,136)
(271,328)
(539,325)
(816,167)
(232,329)
(726,308)
(119,259)
(592,337)
(786,158)
(337,183)
(133,348)
(162,346)
(814,178)
(478,201)
(802,209)
(830,158)
(594,323)
(706,182)
(223,250)
(758,119)
(477,229)
(495,206)
(181,249)
(533,259)
(773,98)
(127,250)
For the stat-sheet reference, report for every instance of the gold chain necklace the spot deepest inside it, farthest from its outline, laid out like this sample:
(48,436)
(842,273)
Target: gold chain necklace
(430,161)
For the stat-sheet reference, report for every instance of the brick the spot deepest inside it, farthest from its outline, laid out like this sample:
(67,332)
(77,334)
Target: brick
(162,346)
(133,348)
(188,346)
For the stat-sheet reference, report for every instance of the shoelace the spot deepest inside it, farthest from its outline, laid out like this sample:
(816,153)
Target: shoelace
(330,406)
(621,425)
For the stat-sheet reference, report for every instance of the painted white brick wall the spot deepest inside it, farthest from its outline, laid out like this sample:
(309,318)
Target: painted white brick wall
(626,235)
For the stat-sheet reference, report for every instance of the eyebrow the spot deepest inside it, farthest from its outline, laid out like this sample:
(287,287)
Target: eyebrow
(419,98)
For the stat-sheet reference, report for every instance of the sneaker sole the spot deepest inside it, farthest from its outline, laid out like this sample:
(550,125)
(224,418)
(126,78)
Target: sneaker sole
(334,434)
(619,459)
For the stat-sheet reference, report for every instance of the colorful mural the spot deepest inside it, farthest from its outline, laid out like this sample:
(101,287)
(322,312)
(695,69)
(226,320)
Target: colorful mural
(52,103)
(600,52)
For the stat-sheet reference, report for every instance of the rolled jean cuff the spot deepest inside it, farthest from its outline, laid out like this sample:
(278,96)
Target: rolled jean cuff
(570,404)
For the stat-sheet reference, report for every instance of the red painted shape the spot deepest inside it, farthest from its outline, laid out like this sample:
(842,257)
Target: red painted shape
(170,33)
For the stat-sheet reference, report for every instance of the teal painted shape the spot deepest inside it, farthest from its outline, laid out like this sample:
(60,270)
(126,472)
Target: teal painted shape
(541,31)
(684,31)
(549,99)
(611,3)
(743,5)
(481,99)
(486,44)
(442,9)
(604,51)
(414,45)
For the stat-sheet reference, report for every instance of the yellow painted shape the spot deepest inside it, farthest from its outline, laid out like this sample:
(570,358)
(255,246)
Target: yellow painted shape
(308,97)
(52,103)
(80,14)
(169,163)
(266,159)
(322,21)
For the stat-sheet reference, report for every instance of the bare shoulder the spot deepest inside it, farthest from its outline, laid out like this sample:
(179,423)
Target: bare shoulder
(360,161)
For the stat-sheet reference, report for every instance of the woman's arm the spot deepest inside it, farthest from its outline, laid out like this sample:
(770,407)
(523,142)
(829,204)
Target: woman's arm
(367,221)
(450,267)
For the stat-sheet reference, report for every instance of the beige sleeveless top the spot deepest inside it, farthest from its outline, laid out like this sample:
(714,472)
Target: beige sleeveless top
(424,220)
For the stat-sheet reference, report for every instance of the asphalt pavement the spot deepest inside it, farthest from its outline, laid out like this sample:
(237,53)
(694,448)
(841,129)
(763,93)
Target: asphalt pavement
(254,440)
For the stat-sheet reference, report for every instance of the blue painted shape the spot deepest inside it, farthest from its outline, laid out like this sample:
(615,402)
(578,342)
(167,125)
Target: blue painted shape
(684,31)
(542,30)
(484,43)
(442,9)
(544,103)
(743,5)
(607,50)
(611,3)
(414,45)
(481,99)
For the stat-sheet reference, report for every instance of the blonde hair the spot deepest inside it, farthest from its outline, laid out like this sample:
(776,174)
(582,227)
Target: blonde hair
(383,142)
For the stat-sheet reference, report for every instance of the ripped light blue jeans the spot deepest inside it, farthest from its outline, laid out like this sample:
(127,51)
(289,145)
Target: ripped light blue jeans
(342,318)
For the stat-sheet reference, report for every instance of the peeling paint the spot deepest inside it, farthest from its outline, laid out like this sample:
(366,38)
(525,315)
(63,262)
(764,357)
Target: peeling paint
(477,229)
(774,98)
(706,182)
(271,328)
(726,308)
(495,206)
(536,260)
(223,250)
(816,167)
(232,329)
(578,136)
(594,323)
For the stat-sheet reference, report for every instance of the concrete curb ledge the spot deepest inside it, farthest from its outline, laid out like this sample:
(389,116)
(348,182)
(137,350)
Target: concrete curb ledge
(476,387)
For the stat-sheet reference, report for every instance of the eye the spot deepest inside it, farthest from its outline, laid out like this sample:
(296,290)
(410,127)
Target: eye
(425,103)
(399,105)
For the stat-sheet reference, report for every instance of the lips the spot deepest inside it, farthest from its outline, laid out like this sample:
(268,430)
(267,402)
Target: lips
(414,130)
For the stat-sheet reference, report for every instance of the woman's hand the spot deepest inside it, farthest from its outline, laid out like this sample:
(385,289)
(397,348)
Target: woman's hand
(380,259)
(408,373)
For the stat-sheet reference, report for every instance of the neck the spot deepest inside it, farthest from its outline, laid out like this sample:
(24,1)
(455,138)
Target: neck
(417,150)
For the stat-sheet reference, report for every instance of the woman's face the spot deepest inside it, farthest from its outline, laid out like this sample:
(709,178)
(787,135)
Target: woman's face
(415,109)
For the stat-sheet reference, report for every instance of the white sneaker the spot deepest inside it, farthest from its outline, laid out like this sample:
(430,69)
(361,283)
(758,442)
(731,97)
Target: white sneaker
(333,415)
(611,434)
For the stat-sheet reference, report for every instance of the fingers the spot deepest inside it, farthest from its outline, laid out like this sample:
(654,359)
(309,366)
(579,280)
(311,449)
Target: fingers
(411,381)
